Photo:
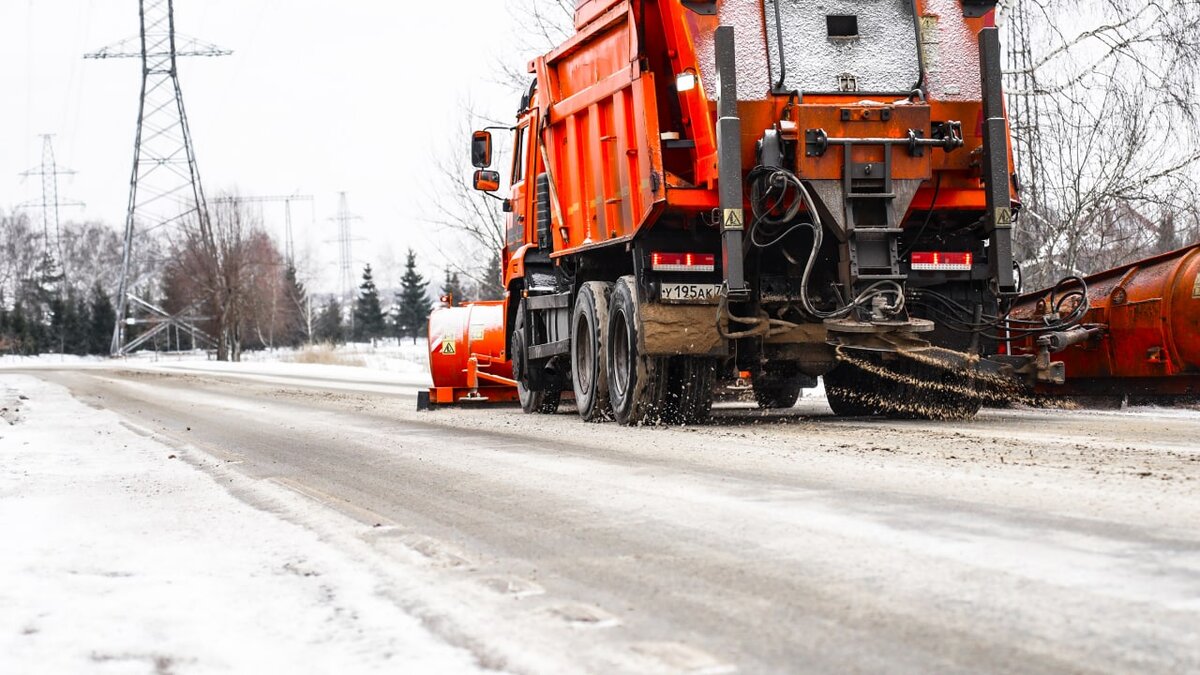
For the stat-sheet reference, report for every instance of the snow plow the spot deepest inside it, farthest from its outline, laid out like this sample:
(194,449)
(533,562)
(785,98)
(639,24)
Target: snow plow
(1137,336)
(467,357)
(793,190)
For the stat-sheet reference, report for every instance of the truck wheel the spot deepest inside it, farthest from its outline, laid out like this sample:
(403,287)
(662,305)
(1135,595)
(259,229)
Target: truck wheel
(689,391)
(636,382)
(776,391)
(589,366)
(533,401)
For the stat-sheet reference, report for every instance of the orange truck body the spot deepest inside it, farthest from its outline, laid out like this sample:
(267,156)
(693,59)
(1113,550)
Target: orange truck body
(603,101)
(762,181)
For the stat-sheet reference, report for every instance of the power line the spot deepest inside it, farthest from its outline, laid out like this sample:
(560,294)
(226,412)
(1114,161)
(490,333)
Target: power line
(289,245)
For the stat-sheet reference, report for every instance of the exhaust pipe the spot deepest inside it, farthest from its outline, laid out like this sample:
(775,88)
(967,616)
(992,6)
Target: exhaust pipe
(729,167)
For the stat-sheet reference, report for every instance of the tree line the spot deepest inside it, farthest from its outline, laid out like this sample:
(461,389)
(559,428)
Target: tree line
(220,284)
(409,313)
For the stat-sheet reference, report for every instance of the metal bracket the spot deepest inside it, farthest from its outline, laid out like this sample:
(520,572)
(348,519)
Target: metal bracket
(816,142)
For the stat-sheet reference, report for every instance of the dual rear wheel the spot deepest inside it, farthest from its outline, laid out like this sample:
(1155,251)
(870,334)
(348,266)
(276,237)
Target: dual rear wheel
(645,389)
(610,376)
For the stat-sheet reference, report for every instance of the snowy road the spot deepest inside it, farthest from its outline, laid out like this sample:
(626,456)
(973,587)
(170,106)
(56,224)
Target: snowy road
(1023,541)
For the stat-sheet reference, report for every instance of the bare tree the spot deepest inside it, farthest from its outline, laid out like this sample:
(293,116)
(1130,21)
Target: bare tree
(1103,96)
(20,255)
(541,25)
(471,224)
(233,272)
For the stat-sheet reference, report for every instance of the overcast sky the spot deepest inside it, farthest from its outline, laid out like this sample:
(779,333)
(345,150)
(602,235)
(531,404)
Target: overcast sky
(318,97)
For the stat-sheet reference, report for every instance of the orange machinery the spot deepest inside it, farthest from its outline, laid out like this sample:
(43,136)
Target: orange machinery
(700,188)
(466,356)
(1138,331)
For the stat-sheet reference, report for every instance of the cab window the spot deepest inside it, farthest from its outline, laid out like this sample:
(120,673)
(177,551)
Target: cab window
(518,168)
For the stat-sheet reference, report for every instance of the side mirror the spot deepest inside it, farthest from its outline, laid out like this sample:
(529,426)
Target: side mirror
(481,149)
(487,181)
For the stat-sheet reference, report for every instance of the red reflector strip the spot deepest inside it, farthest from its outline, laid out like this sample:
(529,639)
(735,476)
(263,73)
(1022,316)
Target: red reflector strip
(683,262)
(936,261)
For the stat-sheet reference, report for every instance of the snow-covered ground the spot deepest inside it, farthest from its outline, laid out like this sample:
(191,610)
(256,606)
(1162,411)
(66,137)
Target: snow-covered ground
(120,556)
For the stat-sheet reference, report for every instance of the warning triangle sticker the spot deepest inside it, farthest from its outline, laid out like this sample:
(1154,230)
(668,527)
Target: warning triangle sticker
(734,219)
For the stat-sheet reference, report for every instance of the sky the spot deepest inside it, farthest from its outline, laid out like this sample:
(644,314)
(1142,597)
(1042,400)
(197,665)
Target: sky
(318,97)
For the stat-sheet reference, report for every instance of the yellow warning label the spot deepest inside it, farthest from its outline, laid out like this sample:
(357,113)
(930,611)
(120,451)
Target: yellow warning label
(1196,287)
(734,219)
(1004,217)
(448,346)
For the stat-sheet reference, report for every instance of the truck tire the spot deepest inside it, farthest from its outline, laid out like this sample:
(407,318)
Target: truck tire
(589,363)
(776,391)
(533,401)
(636,382)
(689,391)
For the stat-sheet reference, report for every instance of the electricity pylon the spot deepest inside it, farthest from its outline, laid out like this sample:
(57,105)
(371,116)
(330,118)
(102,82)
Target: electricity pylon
(165,187)
(51,203)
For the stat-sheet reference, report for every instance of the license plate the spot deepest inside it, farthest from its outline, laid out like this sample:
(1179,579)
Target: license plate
(701,294)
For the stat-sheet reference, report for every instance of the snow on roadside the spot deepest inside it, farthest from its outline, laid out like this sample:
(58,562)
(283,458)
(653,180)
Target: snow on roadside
(119,558)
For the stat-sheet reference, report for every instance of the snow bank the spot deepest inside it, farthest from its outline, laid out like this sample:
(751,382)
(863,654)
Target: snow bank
(120,557)
(48,361)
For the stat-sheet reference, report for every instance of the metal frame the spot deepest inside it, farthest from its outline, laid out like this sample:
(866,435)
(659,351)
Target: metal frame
(164,157)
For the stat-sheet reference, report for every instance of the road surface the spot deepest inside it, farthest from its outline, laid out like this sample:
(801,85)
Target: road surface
(1022,541)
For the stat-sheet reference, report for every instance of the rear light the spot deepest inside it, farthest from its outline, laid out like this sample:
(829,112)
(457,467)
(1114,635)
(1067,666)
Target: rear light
(683,262)
(934,261)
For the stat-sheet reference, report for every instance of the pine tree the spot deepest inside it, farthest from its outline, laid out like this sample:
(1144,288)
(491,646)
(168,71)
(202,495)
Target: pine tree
(452,288)
(412,301)
(368,315)
(59,309)
(492,285)
(103,319)
(297,309)
(27,331)
(328,326)
(75,327)
(6,336)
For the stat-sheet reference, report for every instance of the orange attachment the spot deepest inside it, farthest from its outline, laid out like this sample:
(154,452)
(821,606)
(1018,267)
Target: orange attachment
(1151,345)
(466,354)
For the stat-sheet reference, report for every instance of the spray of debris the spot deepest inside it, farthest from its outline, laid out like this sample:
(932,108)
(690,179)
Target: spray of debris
(918,386)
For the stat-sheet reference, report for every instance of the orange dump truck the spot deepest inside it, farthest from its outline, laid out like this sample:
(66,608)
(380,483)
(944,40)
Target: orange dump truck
(702,188)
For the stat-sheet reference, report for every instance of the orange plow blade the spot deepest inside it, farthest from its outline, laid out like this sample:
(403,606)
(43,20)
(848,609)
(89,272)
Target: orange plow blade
(467,359)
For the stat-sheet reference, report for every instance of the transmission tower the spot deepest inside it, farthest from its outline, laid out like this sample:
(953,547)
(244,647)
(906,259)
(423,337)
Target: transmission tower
(165,187)
(289,241)
(51,204)
(1024,104)
(345,248)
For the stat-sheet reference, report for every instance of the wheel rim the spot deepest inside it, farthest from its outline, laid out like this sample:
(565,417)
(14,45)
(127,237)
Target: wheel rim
(585,355)
(621,351)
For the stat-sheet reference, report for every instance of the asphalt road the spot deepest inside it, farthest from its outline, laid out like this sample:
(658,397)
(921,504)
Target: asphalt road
(1023,541)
